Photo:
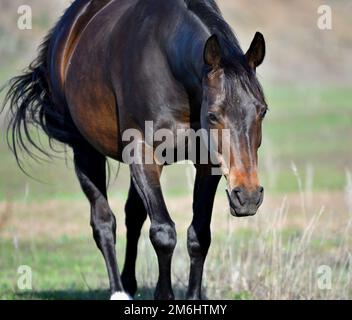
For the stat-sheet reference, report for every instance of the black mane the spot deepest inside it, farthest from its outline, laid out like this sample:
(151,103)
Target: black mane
(234,60)
(210,14)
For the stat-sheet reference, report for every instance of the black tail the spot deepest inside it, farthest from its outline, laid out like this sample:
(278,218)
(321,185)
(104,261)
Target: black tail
(30,103)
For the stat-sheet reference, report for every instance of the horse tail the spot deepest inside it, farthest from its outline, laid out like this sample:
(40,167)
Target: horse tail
(30,103)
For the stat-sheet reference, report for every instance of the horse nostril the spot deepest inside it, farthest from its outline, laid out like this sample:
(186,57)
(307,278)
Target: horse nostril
(260,192)
(237,192)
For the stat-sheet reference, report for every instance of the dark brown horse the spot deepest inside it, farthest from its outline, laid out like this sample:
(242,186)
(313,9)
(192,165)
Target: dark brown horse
(109,66)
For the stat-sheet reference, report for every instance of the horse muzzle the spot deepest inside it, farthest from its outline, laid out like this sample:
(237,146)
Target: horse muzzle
(244,203)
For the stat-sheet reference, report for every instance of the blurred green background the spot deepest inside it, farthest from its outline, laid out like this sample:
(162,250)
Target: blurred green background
(305,160)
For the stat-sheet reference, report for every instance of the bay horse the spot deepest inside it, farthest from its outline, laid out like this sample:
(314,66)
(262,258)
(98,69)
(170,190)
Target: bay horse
(111,65)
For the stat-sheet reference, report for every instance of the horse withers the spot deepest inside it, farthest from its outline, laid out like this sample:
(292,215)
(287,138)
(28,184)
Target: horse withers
(111,66)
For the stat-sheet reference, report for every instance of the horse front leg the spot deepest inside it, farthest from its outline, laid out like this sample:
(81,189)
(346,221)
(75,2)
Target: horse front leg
(199,235)
(146,179)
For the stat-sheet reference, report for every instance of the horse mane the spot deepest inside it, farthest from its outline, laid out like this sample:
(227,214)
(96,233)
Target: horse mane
(234,60)
(209,13)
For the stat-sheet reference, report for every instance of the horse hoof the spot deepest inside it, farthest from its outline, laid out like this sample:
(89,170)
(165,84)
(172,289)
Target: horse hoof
(129,284)
(120,296)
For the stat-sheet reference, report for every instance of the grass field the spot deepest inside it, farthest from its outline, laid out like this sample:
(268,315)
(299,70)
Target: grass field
(305,221)
(275,255)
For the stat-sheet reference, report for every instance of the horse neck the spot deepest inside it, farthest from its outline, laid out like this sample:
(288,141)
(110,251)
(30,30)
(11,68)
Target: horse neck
(185,51)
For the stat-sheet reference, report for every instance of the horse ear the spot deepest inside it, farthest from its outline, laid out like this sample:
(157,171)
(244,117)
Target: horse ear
(256,52)
(212,52)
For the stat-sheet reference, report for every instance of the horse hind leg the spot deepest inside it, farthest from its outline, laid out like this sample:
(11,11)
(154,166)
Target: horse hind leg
(91,173)
(136,215)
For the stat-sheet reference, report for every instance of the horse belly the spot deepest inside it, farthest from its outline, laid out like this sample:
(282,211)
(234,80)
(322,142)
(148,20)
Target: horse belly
(92,103)
(95,116)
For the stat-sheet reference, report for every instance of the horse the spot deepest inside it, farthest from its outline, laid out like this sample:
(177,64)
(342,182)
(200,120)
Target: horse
(112,65)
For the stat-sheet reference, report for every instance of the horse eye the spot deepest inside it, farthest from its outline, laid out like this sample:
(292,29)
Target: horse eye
(212,117)
(263,113)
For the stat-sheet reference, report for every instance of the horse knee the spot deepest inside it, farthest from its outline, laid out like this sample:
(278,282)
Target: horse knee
(198,243)
(163,237)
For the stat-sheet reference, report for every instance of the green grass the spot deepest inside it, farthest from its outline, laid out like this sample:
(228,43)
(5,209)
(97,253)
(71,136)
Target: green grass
(309,127)
(73,268)
(58,271)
